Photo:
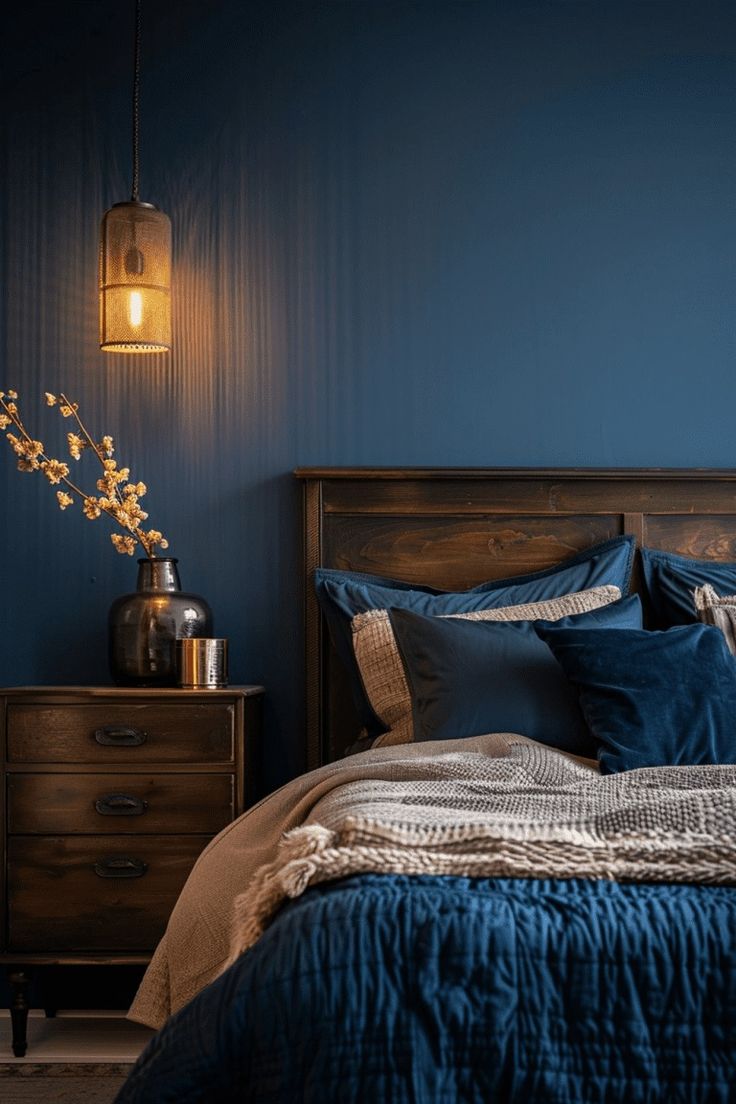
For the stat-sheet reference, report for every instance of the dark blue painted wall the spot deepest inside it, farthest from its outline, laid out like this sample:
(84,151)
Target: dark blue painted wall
(406,233)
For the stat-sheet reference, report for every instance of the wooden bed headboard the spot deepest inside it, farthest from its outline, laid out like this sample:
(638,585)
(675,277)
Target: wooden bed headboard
(455,527)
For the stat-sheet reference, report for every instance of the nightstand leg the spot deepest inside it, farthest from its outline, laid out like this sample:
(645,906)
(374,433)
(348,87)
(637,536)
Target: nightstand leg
(19,981)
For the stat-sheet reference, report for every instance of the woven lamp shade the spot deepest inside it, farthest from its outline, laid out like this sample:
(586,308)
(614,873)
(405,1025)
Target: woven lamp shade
(135,279)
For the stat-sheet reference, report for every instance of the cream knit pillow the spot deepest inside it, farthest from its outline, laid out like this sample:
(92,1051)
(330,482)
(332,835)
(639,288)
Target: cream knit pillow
(382,671)
(715,610)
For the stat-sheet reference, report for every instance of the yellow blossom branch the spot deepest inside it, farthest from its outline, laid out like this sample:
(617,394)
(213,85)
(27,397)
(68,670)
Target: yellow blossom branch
(15,419)
(70,409)
(58,472)
(73,408)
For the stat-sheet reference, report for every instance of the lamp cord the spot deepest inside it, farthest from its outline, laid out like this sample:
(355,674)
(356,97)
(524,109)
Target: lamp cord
(136,99)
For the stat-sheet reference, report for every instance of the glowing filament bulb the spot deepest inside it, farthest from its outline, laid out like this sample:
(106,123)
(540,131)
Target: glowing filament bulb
(135,308)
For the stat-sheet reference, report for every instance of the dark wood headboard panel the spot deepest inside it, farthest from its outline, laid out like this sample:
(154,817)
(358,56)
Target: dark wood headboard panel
(453,528)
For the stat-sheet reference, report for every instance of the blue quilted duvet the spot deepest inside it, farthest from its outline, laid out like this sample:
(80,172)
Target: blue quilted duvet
(421,990)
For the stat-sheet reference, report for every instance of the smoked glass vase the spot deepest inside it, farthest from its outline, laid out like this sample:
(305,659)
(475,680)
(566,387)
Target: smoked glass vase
(143,627)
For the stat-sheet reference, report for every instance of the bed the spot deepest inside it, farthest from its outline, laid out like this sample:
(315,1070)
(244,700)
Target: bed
(469,919)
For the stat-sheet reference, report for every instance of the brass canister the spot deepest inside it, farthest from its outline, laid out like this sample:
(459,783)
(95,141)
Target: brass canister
(201,663)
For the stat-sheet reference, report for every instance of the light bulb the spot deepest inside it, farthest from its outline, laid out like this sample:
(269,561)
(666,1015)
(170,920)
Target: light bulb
(135,308)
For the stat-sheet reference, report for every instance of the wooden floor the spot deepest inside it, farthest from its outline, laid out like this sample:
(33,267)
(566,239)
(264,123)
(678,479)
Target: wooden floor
(75,1058)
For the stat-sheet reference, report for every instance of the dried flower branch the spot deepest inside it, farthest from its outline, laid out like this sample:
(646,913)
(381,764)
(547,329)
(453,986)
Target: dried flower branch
(118,496)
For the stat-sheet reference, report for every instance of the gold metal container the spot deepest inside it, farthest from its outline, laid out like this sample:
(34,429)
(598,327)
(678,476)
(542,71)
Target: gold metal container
(201,663)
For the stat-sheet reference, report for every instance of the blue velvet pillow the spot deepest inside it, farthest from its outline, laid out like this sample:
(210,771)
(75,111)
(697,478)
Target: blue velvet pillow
(670,580)
(651,698)
(470,677)
(343,594)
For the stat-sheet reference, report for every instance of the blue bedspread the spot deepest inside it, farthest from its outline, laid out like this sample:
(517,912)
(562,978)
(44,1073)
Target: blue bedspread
(421,990)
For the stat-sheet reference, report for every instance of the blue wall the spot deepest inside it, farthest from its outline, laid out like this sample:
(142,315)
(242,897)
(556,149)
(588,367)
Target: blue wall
(405,233)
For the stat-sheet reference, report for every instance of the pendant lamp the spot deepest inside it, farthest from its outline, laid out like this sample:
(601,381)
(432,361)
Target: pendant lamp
(135,260)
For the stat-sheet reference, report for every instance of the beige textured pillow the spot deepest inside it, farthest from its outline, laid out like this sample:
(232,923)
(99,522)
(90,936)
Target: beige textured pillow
(719,611)
(382,671)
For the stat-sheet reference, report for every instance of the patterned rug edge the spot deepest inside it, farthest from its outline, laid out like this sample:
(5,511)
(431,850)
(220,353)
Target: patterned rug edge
(65,1069)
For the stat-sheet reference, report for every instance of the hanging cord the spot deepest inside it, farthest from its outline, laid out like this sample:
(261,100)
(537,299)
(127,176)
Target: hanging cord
(136,99)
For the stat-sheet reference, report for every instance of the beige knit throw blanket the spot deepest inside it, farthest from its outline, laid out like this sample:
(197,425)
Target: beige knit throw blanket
(497,805)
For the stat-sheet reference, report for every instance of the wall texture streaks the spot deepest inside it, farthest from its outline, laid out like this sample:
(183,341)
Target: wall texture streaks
(405,233)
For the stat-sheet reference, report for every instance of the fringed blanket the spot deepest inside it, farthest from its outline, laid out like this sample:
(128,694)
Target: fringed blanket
(497,805)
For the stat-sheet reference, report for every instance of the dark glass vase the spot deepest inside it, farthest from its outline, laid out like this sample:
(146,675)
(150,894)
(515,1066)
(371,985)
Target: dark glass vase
(143,627)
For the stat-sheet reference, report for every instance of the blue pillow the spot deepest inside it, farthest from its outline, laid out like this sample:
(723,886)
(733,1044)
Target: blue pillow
(651,698)
(470,677)
(343,594)
(670,580)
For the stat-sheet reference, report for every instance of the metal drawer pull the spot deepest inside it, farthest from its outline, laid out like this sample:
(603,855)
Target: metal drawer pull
(119,736)
(120,804)
(120,868)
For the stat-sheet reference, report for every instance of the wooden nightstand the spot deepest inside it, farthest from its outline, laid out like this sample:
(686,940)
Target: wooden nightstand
(110,796)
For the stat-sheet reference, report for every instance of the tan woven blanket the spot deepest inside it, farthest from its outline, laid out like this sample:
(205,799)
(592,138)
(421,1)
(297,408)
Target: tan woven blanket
(497,805)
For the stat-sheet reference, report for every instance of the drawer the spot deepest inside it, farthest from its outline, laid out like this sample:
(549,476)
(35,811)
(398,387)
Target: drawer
(46,804)
(60,902)
(120,732)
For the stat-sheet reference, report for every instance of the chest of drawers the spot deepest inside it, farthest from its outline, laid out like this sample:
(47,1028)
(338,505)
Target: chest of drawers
(110,796)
